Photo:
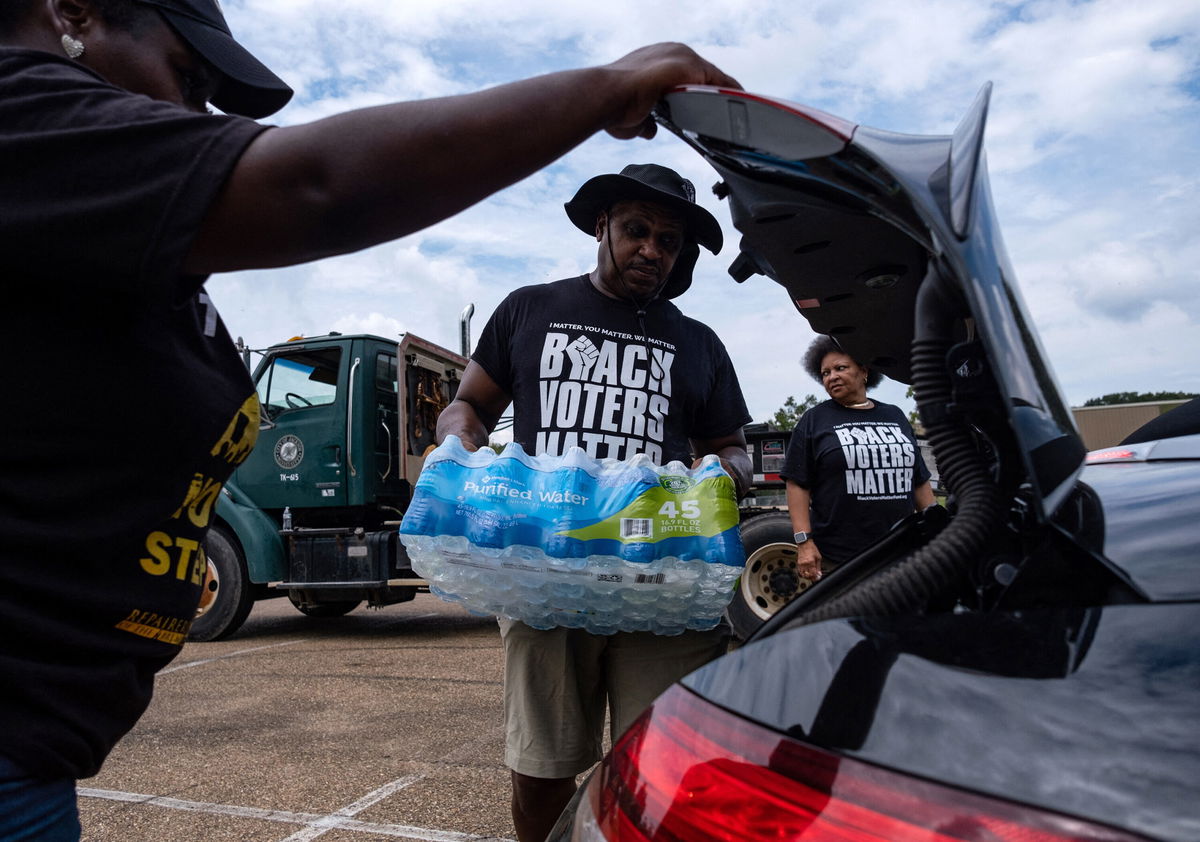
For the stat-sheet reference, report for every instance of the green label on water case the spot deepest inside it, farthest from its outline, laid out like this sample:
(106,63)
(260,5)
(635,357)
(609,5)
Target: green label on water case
(704,509)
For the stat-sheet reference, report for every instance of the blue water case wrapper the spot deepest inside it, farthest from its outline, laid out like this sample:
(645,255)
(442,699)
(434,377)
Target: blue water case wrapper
(604,545)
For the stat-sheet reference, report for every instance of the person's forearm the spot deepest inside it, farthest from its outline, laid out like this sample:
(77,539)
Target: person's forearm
(808,555)
(460,419)
(799,501)
(368,176)
(737,463)
(924,497)
(381,173)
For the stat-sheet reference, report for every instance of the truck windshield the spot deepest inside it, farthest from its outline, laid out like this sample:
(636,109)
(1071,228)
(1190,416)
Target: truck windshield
(299,380)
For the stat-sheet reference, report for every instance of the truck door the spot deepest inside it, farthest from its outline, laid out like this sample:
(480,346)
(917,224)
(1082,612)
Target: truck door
(389,464)
(299,459)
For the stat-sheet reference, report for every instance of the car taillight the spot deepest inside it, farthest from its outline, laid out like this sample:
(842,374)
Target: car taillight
(688,771)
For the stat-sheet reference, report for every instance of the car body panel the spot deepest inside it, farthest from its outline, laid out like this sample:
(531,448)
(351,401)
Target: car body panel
(1152,516)
(1090,712)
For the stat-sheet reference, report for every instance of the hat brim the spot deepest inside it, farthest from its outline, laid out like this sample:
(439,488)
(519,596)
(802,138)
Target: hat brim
(249,88)
(602,191)
(680,279)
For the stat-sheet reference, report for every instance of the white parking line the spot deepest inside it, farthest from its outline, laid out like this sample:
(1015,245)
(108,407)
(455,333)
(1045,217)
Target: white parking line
(368,800)
(332,821)
(190,664)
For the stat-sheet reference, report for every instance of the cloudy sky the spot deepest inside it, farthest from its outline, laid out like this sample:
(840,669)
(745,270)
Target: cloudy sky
(1093,147)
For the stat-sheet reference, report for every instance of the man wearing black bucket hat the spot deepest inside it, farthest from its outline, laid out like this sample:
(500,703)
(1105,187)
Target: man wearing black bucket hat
(606,362)
(119,194)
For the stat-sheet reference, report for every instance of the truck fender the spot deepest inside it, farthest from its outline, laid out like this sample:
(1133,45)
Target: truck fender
(258,535)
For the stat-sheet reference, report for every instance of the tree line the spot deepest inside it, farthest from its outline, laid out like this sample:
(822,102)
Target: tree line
(788,415)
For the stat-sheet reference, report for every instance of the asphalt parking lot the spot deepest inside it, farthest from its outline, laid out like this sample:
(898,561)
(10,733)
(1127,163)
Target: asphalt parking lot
(377,725)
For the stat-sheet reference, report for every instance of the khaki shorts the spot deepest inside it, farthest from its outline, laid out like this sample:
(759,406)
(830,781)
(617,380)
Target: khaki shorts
(556,683)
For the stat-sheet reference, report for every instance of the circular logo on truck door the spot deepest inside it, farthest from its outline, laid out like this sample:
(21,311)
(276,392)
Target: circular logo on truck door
(289,451)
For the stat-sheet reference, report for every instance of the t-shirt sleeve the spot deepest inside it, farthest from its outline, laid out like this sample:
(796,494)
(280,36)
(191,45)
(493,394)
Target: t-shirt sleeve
(103,190)
(797,461)
(725,410)
(493,352)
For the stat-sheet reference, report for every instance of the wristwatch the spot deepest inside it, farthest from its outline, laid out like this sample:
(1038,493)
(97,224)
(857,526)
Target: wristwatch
(801,537)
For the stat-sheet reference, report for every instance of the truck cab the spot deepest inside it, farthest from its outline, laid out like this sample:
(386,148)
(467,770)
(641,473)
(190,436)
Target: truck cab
(312,514)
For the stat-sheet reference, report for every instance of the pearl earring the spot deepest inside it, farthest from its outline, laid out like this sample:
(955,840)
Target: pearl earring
(73,47)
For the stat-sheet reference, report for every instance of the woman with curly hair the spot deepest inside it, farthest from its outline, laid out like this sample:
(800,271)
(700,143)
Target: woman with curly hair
(853,467)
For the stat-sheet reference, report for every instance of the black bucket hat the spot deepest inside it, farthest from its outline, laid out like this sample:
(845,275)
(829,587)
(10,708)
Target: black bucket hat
(249,88)
(663,186)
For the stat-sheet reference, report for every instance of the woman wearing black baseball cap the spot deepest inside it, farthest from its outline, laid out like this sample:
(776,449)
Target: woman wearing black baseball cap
(119,194)
(247,86)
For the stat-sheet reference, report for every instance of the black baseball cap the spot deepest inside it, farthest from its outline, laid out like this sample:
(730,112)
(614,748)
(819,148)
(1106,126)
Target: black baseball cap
(249,88)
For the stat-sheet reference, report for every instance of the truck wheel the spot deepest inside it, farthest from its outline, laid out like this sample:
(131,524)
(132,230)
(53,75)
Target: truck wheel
(770,580)
(226,600)
(324,609)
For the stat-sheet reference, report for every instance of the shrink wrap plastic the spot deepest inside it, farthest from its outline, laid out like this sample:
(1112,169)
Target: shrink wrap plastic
(604,545)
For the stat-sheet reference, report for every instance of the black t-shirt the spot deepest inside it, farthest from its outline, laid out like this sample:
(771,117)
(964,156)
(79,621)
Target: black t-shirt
(860,467)
(125,403)
(581,372)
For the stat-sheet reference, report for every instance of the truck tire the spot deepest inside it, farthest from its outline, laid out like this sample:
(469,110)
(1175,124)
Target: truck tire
(325,609)
(770,580)
(227,599)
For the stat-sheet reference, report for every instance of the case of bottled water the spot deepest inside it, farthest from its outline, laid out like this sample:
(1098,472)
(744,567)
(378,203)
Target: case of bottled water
(604,545)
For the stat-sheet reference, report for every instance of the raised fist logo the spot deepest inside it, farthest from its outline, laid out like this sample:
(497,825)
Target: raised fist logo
(583,355)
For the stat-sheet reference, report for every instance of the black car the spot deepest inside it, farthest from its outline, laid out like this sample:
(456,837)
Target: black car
(1024,665)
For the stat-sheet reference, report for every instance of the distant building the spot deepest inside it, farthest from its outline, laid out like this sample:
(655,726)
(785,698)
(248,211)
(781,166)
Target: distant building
(935,478)
(1105,426)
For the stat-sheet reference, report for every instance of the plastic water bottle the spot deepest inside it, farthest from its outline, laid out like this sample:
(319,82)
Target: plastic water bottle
(571,541)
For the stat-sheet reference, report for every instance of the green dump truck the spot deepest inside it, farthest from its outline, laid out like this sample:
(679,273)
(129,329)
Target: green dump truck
(313,513)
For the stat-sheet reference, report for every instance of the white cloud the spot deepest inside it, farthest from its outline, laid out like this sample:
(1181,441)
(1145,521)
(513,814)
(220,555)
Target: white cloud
(373,323)
(1091,144)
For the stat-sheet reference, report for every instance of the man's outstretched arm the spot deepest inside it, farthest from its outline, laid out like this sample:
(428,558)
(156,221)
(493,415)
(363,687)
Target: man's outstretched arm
(364,177)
